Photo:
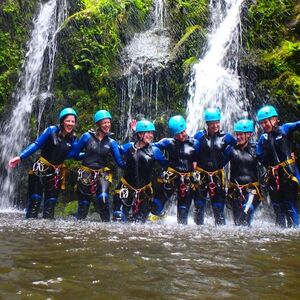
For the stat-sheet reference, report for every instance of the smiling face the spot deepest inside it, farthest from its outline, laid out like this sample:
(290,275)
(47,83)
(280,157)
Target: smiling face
(243,137)
(146,137)
(182,136)
(269,124)
(213,127)
(105,125)
(68,124)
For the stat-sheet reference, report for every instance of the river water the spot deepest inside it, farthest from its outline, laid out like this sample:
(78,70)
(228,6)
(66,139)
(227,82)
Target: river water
(68,259)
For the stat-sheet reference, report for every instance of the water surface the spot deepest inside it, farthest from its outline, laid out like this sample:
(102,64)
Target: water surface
(67,259)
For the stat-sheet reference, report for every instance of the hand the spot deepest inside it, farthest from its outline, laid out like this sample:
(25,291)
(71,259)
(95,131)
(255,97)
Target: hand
(14,162)
(132,124)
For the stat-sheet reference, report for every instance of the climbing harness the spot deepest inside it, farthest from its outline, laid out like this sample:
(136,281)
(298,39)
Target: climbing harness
(124,193)
(90,177)
(213,178)
(48,172)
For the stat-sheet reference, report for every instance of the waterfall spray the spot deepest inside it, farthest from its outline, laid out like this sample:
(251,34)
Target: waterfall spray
(15,131)
(142,60)
(215,81)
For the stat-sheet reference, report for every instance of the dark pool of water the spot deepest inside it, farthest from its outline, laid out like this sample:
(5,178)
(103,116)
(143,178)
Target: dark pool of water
(67,259)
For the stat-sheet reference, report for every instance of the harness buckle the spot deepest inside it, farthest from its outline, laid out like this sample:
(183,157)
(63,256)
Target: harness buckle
(124,192)
(166,176)
(197,177)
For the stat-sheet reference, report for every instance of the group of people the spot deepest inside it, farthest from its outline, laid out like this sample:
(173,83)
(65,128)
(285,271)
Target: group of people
(192,169)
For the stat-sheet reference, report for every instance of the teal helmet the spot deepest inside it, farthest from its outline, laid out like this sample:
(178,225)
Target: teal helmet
(177,124)
(244,125)
(144,126)
(101,114)
(266,112)
(65,112)
(212,114)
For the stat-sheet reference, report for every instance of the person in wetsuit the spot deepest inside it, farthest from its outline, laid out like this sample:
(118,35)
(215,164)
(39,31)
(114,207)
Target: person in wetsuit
(94,177)
(243,187)
(134,193)
(56,144)
(181,151)
(274,150)
(210,167)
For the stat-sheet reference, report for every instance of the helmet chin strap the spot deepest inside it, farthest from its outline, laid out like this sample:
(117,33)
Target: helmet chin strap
(272,125)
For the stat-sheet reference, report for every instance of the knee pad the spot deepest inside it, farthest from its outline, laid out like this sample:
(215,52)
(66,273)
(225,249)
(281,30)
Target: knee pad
(36,197)
(157,207)
(103,197)
(218,205)
(119,216)
(199,203)
(83,207)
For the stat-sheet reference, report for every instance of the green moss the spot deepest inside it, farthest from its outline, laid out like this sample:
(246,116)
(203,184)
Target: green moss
(91,41)
(274,51)
(15,17)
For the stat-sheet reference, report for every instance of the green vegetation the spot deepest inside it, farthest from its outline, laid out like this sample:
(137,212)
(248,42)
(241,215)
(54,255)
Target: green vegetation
(87,71)
(15,18)
(274,50)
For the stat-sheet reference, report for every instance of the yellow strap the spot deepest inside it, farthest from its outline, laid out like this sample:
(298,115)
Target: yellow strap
(63,176)
(213,173)
(179,173)
(61,167)
(144,188)
(248,185)
(102,170)
(46,162)
(283,165)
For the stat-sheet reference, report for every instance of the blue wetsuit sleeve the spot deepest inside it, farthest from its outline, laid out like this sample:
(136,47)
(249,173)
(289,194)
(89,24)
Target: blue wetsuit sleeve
(199,135)
(73,152)
(260,150)
(117,155)
(159,156)
(78,147)
(197,149)
(230,140)
(39,142)
(290,127)
(227,154)
(162,144)
(124,148)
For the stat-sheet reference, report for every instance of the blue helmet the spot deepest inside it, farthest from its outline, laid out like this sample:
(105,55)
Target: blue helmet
(212,114)
(244,126)
(177,124)
(144,126)
(266,112)
(101,114)
(65,112)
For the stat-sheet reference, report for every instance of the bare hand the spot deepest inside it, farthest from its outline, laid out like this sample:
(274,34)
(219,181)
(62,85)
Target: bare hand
(14,162)
(132,124)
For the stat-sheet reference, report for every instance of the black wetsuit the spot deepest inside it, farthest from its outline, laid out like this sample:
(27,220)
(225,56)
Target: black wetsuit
(46,175)
(210,164)
(134,193)
(274,150)
(243,192)
(177,180)
(94,178)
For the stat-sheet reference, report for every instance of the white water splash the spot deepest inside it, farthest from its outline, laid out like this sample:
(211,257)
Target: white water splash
(15,131)
(142,60)
(215,81)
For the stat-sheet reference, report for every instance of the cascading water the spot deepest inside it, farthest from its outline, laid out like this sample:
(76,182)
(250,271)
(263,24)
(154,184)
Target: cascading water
(215,81)
(31,87)
(143,60)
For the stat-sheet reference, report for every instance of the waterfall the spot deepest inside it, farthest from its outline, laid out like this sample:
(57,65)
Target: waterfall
(31,87)
(143,60)
(215,81)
